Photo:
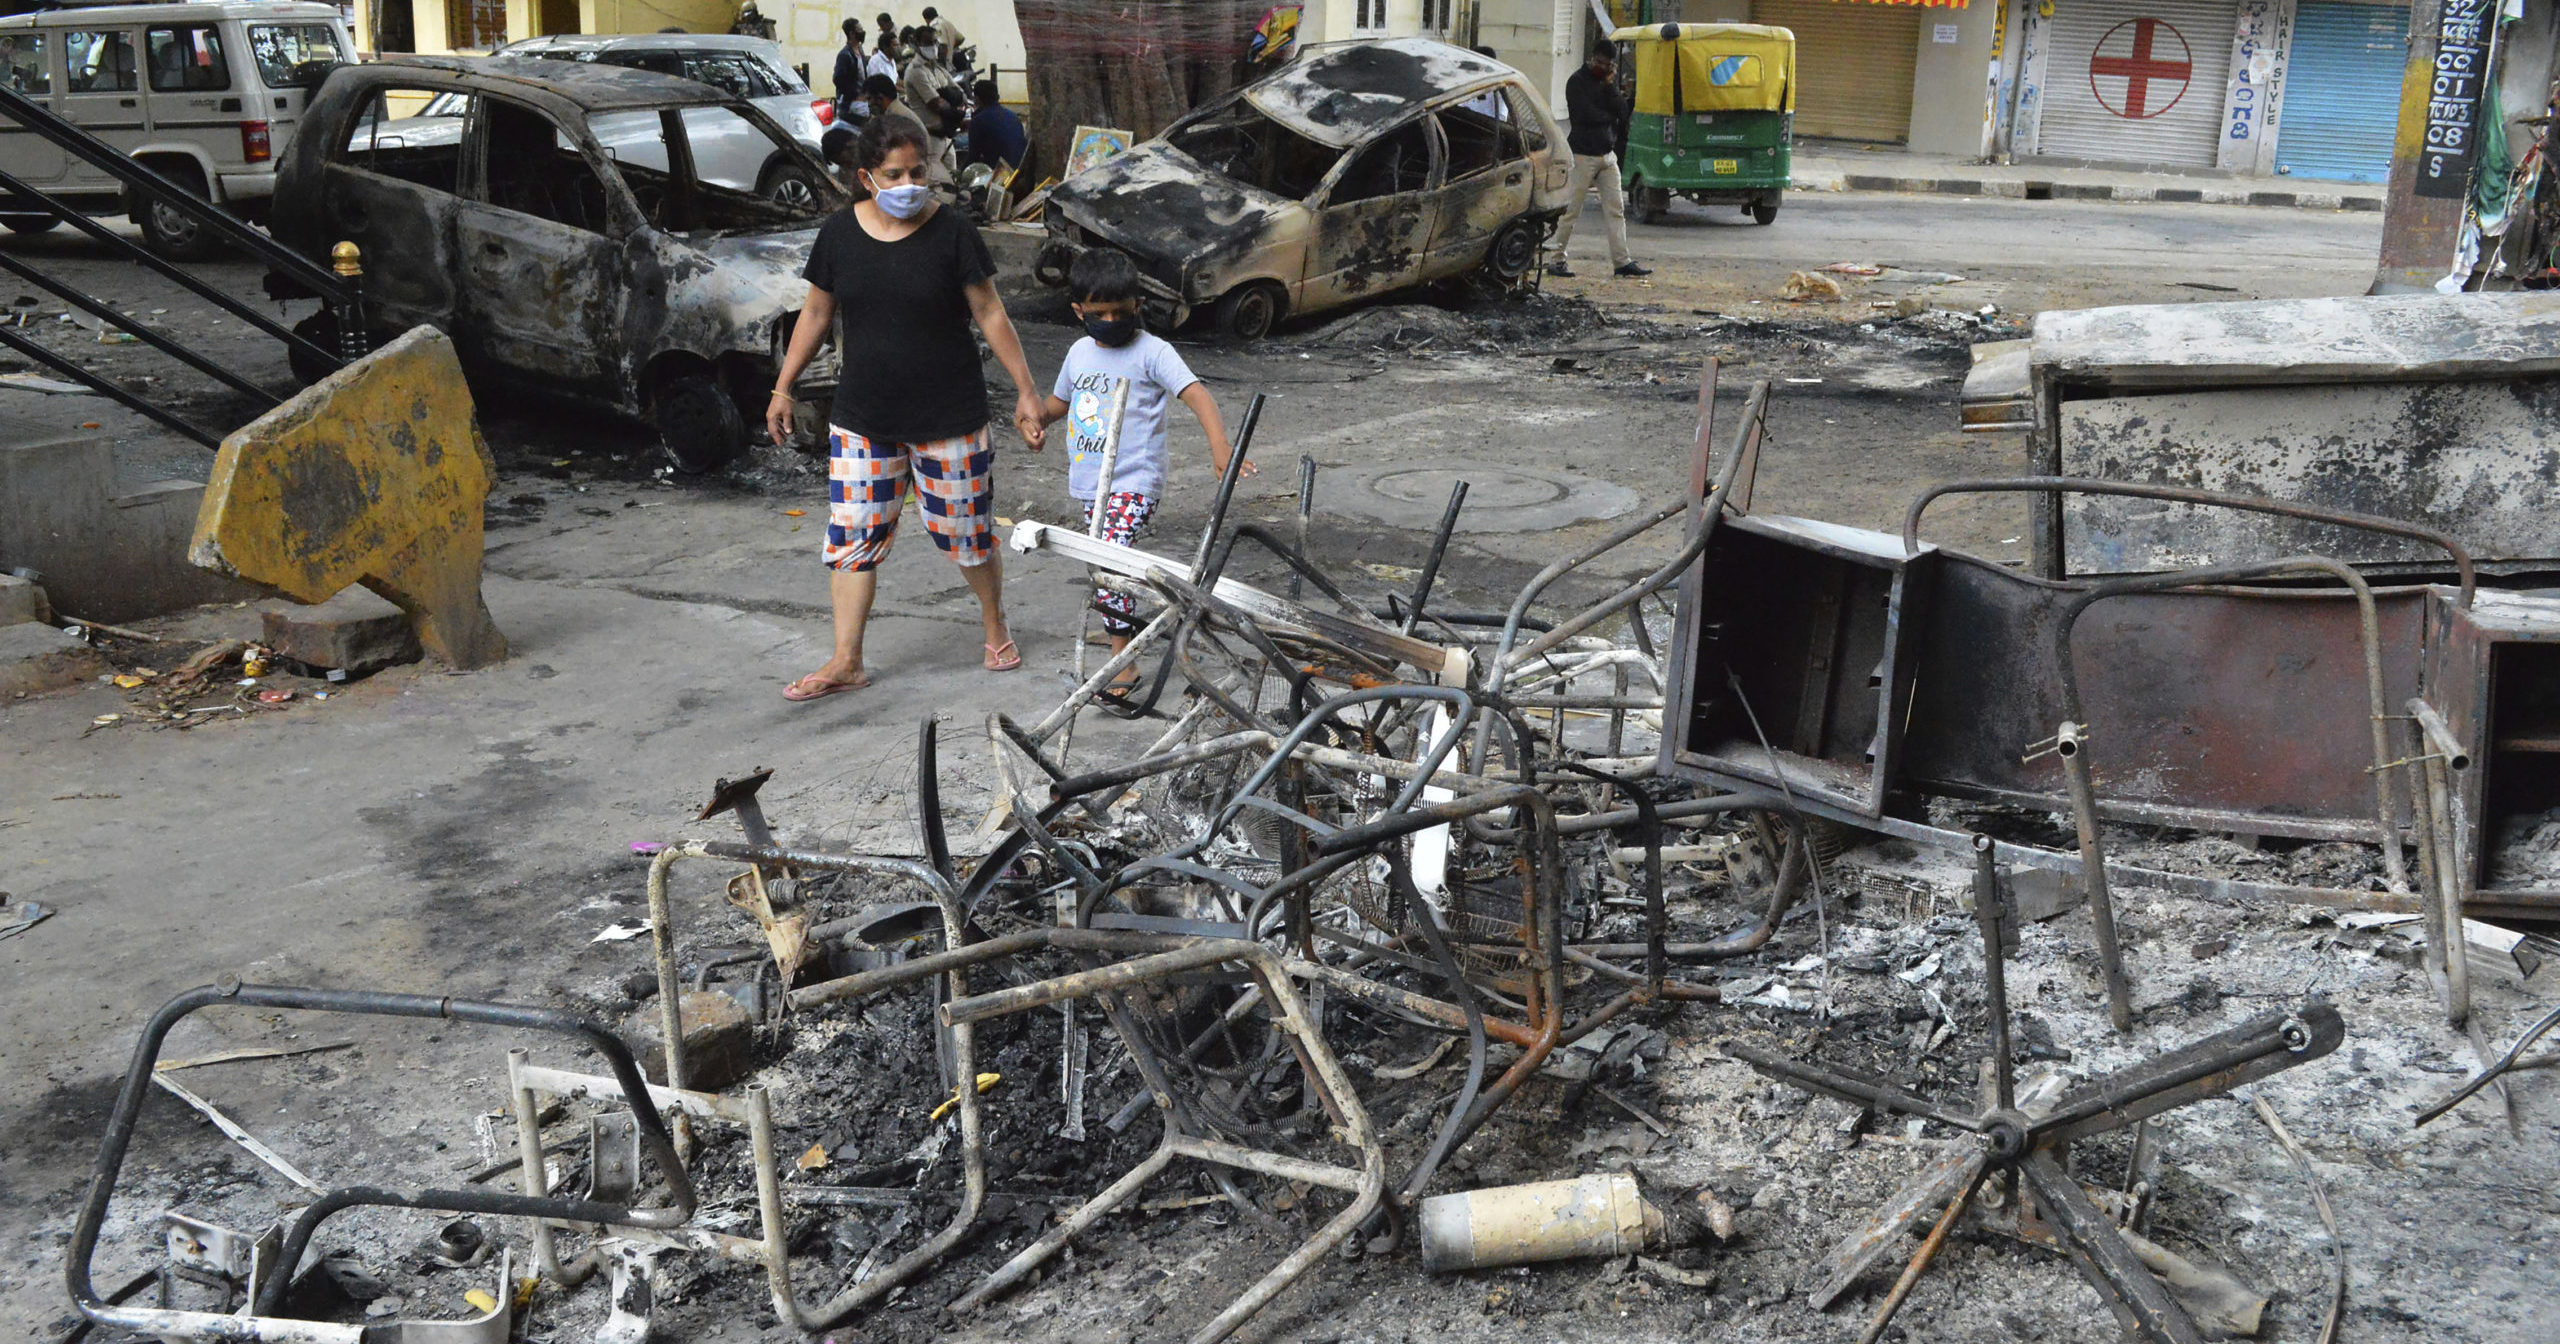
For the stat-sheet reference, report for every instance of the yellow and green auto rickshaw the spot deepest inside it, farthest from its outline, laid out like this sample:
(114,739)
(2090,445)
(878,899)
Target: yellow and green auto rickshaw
(1714,116)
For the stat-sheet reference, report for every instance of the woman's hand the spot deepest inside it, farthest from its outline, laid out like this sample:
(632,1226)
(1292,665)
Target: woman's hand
(777,418)
(1028,422)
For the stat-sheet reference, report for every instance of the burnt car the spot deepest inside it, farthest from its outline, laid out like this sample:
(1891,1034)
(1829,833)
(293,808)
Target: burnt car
(1352,172)
(484,204)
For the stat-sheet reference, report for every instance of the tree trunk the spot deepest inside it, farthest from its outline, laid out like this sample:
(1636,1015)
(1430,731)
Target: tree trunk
(1132,64)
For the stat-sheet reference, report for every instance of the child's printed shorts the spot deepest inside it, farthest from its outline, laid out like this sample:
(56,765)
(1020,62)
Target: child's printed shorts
(1124,516)
(867,487)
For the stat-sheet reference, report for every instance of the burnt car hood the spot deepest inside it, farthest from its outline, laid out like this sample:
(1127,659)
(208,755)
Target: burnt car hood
(757,271)
(1162,204)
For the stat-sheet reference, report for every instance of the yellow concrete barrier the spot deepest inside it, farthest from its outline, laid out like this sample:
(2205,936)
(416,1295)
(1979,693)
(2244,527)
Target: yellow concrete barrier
(374,475)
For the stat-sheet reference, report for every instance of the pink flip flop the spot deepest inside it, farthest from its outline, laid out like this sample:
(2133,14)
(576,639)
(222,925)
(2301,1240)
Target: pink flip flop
(1003,657)
(815,687)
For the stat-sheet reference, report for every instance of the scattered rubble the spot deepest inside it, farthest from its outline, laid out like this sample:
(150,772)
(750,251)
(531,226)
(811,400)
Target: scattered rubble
(1391,916)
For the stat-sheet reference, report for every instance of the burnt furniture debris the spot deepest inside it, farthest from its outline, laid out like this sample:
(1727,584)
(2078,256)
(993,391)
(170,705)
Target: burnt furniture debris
(1349,820)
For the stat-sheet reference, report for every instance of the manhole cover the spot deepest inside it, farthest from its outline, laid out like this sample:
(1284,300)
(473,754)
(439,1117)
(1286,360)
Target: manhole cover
(1500,497)
(1485,490)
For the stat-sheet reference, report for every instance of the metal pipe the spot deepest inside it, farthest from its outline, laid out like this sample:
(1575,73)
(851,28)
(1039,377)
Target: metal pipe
(2080,485)
(152,261)
(1306,515)
(142,330)
(1439,551)
(1203,573)
(2093,872)
(1987,914)
(105,387)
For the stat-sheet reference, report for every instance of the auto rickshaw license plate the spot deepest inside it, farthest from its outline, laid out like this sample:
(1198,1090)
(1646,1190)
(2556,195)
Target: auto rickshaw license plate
(1728,165)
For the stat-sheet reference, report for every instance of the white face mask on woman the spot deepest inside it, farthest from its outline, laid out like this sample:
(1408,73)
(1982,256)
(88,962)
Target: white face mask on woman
(905,201)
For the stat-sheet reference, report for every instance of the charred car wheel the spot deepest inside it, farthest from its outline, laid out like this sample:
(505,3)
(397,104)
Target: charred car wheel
(321,329)
(171,232)
(1248,312)
(27,223)
(1515,250)
(699,423)
(792,185)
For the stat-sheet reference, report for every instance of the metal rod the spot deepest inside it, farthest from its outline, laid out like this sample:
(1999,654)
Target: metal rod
(1987,912)
(98,383)
(1306,517)
(145,257)
(140,330)
(2078,485)
(1439,551)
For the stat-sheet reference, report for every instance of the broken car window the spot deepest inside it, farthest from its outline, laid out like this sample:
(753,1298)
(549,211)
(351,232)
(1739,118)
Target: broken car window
(414,135)
(101,62)
(531,170)
(187,60)
(1478,141)
(1525,120)
(1241,143)
(734,162)
(294,56)
(1397,162)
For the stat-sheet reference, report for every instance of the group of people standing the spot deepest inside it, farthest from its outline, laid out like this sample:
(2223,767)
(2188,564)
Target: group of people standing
(918,73)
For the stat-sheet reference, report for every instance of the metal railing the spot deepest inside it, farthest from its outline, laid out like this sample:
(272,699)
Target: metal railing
(338,287)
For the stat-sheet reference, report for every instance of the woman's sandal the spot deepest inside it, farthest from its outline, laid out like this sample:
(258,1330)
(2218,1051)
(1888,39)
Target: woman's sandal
(815,687)
(1003,657)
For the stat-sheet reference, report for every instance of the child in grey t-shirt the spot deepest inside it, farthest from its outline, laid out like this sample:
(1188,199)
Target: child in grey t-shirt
(1117,350)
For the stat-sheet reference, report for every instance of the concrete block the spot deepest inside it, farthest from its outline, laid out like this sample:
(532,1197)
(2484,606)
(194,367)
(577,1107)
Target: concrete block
(21,601)
(105,556)
(36,657)
(355,632)
(719,1041)
(2187,195)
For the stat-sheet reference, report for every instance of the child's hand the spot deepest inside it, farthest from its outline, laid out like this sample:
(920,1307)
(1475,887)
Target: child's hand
(1249,469)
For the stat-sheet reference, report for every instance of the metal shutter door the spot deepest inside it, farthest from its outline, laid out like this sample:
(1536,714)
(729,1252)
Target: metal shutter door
(2138,82)
(2342,91)
(1853,65)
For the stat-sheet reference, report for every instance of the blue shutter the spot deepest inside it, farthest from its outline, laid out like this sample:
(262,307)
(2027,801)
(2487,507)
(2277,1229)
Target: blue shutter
(2342,91)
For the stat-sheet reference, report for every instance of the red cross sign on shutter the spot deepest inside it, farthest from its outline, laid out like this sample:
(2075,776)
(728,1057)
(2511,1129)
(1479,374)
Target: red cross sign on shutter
(2141,68)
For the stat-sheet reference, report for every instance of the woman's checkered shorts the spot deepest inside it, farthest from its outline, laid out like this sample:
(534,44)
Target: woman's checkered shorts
(867,487)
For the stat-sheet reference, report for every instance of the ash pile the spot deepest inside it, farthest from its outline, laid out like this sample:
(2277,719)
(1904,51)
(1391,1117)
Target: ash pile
(1402,946)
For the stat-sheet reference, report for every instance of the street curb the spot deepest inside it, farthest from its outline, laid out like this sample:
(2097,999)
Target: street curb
(2016,189)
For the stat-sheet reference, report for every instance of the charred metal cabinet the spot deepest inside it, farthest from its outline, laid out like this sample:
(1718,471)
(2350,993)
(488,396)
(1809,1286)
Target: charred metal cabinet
(2493,673)
(1792,663)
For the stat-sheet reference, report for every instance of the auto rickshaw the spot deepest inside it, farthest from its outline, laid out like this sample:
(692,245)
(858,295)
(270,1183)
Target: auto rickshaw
(1714,116)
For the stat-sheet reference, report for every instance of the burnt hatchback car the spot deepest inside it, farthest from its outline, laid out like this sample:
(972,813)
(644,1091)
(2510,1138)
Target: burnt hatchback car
(1353,172)
(618,276)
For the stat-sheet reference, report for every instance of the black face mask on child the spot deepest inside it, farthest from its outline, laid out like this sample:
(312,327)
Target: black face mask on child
(1112,330)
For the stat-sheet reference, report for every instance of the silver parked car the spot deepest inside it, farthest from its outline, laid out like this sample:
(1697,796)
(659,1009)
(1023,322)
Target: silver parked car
(747,68)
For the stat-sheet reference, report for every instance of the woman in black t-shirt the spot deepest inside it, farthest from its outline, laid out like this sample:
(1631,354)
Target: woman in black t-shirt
(907,277)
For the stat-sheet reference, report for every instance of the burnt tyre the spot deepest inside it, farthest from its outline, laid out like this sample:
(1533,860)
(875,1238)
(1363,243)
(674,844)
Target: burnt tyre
(1763,211)
(28,223)
(1249,312)
(168,230)
(699,423)
(1653,205)
(1515,250)
(793,185)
